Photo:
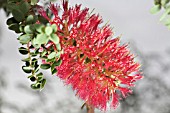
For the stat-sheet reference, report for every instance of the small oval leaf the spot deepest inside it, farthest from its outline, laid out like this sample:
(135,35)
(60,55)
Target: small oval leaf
(45,66)
(54,38)
(24,39)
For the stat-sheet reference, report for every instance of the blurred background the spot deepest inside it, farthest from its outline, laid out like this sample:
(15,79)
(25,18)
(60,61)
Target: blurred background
(149,41)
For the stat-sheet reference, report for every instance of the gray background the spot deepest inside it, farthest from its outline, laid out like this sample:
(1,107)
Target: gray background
(148,38)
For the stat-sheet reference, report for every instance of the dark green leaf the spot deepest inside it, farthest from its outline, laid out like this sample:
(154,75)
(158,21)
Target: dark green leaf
(33,86)
(11,6)
(23,50)
(39,74)
(27,63)
(32,78)
(26,69)
(157,2)
(58,63)
(43,82)
(54,71)
(40,78)
(34,62)
(45,66)
(14,27)
(11,21)
(24,7)
(43,20)
(18,15)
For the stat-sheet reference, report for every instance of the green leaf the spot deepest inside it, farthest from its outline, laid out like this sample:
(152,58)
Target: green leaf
(58,54)
(54,27)
(45,66)
(33,86)
(11,1)
(34,61)
(38,27)
(50,60)
(36,85)
(43,20)
(39,74)
(40,78)
(53,67)
(54,71)
(155,9)
(23,50)
(156,2)
(167,22)
(41,39)
(28,29)
(21,28)
(24,39)
(26,69)
(14,27)
(29,19)
(165,14)
(52,55)
(34,2)
(11,6)
(26,59)
(43,53)
(35,44)
(58,46)
(48,30)
(35,19)
(27,63)
(54,38)
(32,78)
(168,27)
(24,7)
(18,15)
(43,82)
(11,21)
(58,63)
(164,2)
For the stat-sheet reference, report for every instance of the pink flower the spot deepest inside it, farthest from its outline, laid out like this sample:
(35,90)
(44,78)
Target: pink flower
(94,64)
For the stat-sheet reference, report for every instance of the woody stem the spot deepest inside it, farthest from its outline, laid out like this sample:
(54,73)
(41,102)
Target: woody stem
(89,108)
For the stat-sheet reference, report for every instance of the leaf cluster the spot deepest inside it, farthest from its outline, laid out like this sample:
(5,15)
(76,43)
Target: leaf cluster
(162,5)
(35,33)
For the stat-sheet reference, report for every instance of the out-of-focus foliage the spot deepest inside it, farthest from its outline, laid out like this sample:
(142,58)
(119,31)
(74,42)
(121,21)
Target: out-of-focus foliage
(3,5)
(165,6)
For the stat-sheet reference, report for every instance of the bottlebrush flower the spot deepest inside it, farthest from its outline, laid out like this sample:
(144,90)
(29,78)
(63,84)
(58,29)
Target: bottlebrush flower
(98,68)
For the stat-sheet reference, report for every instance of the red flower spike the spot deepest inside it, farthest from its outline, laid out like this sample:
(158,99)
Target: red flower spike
(94,64)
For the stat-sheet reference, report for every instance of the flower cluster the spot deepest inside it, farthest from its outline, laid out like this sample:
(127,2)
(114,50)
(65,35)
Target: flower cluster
(98,68)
